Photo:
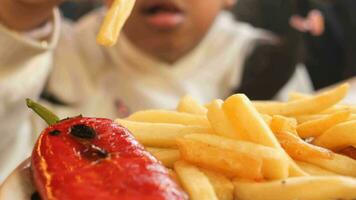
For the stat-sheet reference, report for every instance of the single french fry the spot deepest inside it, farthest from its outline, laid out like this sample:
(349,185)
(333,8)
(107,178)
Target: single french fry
(306,118)
(223,187)
(338,108)
(114,21)
(188,104)
(160,134)
(292,96)
(230,163)
(317,127)
(306,106)
(281,124)
(301,188)
(340,164)
(219,121)
(315,170)
(267,107)
(331,110)
(167,156)
(338,137)
(247,120)
(195,182)
(172,117)
(299,149)
(274,164)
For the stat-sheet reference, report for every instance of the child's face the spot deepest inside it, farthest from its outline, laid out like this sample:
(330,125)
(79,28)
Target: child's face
(168,29)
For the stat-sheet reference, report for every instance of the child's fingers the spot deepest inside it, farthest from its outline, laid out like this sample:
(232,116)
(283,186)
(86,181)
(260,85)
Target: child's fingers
(108,3)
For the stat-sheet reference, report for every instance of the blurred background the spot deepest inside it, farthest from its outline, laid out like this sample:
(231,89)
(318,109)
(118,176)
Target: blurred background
(320,34)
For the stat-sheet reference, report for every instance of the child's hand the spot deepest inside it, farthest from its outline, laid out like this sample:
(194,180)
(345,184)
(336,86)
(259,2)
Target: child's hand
(25,15)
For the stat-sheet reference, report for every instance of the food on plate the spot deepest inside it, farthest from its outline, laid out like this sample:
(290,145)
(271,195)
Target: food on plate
(301,188)
(280,124)
(114,20)
(226,149)
(339,136)
(194,181)
(160,134)
(304,106)
(167,156)
(242,149)
(188,104)
(298,149)
(317,127)
(95,158)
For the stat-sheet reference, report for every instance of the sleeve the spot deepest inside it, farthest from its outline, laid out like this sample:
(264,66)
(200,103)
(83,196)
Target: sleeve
(267,69)
(24,67)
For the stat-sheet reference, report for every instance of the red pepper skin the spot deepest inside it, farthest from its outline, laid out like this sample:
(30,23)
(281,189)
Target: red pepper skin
(64,170)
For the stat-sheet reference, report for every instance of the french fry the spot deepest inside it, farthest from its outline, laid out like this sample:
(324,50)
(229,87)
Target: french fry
(301,188)
(114,21)
(223,187)
(227,162)
(274,163)
(172,117)
(281,124)
(160,134)
(349,152)
(306,118)
(317,127)
(338,137)
(267,119)
(339,108)
(167,156)
(331,110)
(195,182)
(292,96)
(188,104)
(247,120)
(299,149)
(340,164)
(267,107)
(306,106)
(219,121)
(315,170)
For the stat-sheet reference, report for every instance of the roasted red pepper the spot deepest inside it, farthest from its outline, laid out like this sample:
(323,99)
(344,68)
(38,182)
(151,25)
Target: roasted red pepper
(94,158)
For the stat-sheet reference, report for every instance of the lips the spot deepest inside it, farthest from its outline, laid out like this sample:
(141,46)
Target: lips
(163,14)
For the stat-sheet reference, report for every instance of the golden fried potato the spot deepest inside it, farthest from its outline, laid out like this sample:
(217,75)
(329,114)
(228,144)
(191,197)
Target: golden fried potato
(195,182)
(188,104)
(301,188)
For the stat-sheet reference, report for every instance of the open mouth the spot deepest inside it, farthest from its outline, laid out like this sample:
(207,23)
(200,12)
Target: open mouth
(163,14)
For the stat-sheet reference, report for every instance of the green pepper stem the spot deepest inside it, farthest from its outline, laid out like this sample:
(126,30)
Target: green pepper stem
(43,112)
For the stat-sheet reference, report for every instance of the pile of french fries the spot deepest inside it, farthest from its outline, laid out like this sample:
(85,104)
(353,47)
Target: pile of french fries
(256,150)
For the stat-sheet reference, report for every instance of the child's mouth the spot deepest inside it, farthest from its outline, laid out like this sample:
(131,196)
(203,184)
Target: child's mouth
(163,14)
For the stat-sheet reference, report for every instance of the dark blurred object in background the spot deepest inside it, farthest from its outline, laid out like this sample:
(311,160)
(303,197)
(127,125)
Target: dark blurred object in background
(330,56)
(73,10)
(274,15)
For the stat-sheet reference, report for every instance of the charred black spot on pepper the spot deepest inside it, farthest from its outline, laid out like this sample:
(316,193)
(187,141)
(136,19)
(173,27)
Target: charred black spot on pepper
(93,152)
(55,132)
(83,131)
(35,196)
